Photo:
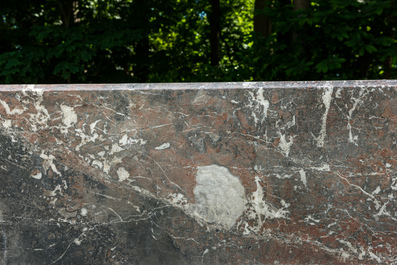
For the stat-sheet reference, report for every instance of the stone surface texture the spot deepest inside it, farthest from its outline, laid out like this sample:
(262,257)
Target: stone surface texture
(204,173)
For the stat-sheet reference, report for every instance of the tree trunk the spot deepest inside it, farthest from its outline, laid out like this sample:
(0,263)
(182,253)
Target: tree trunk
(388,63)
(67,17)
(387,68)
(285,37)
(67,9)
(142,53)
(262,24)
(301,4)
(215,31)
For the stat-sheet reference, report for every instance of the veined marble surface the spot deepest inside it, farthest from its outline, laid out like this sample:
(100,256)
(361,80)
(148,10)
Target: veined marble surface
(200,173)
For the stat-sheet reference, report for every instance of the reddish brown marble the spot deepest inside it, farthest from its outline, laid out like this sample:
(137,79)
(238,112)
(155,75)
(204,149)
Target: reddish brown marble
(213,173)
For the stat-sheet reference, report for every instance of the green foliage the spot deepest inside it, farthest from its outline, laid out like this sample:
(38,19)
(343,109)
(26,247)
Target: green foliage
(97,41)
(336,39)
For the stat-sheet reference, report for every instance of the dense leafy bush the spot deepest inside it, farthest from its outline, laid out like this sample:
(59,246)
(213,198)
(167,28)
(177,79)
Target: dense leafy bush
(176,40)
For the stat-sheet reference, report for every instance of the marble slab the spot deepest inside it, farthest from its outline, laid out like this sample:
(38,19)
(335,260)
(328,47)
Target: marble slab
(200,173)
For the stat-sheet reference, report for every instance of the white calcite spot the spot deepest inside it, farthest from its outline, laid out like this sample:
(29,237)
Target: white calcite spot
(327,97)
(84,138)
(163,146)
(262,101)
(324,167)
(373,256)
(93,125)
(42,117)
(115,149)
(311,220)
(122,173)
(69,116)
(53,193)
(8,110)
(37,176)
(283,176)
(377,190)
(356,102)
(261,208)
(7,123)
(303,177)
(97,164)
(220,196)
(136,141)
(285,145)
(124,140)
(177,199)
(83,211)
(49,163)
(77,241)
(259,105)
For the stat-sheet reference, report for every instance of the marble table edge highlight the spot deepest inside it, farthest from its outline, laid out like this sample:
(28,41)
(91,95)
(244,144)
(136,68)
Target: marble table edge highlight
(199,85)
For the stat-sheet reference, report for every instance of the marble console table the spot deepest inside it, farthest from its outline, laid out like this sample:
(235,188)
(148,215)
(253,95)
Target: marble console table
(205,173)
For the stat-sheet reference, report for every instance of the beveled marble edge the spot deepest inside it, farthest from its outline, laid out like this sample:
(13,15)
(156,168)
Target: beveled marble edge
(204,85)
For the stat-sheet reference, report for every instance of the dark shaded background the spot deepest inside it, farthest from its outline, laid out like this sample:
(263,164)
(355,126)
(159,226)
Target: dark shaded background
(203,40)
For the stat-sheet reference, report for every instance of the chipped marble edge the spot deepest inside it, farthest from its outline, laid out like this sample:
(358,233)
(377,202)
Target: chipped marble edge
(196,86)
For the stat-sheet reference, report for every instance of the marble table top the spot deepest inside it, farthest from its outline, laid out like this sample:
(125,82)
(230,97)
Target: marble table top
(199,173)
